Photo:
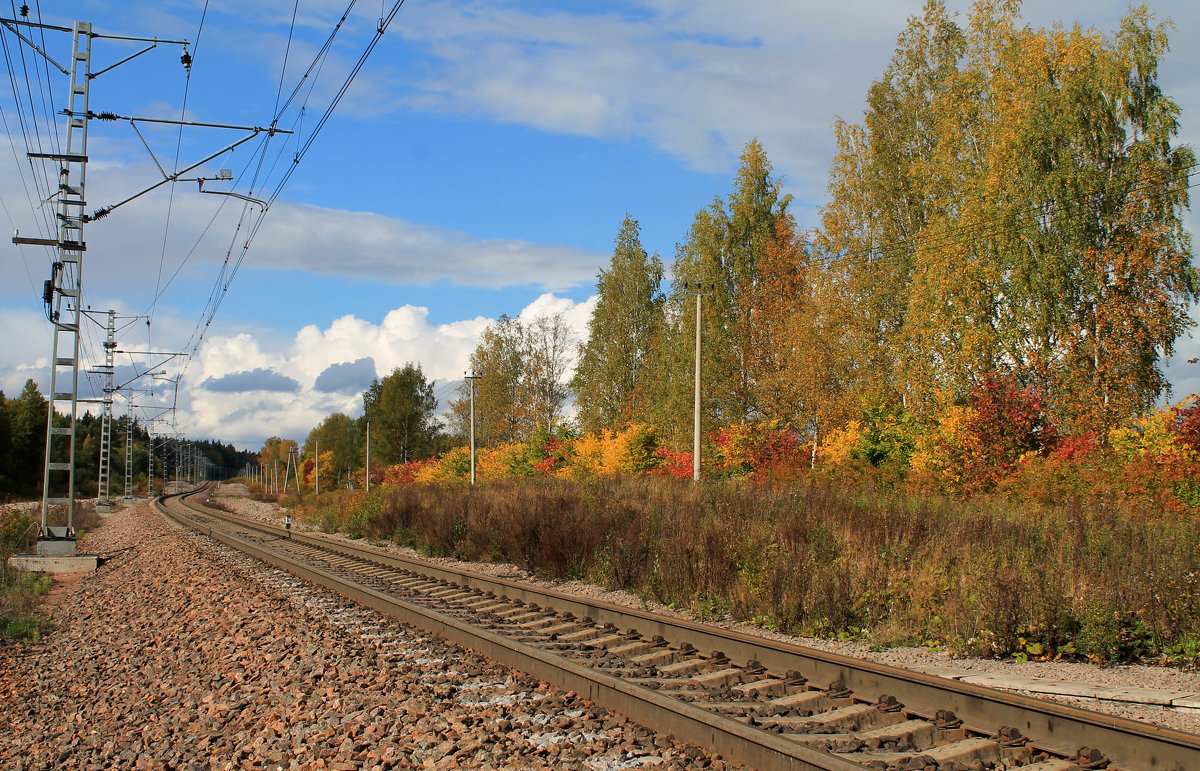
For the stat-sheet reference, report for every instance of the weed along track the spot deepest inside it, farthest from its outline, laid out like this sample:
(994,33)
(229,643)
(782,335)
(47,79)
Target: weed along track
(756,701)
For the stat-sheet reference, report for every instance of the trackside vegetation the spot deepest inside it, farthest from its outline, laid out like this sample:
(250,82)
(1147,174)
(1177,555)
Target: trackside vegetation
(1076,552)
(19,591)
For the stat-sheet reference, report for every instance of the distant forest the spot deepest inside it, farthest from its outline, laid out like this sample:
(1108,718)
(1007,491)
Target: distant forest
(23,449)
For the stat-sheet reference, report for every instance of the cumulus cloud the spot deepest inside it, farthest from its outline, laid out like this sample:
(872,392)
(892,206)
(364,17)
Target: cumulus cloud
(577,316)
(352,376)
(260,379)
(26,351)
(319,358)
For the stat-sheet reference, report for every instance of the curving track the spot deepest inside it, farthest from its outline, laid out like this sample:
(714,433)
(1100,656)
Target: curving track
(762,703)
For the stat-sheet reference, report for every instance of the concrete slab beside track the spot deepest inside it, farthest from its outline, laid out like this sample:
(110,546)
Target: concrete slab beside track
(80,563)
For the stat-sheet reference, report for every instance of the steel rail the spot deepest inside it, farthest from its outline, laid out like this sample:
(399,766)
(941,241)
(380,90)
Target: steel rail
(732,739)
(1053,727)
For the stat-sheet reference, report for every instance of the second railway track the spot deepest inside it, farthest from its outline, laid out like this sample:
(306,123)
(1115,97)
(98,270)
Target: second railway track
(762,703)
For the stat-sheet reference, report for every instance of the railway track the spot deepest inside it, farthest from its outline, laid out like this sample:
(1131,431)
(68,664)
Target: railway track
(756,701)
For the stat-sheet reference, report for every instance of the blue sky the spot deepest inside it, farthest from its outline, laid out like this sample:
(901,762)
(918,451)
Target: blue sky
(480,164)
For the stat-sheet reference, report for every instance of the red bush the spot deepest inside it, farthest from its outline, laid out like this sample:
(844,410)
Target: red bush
(1009,421)
(1185,425)
(1074,448)
(558,454)
(674,463)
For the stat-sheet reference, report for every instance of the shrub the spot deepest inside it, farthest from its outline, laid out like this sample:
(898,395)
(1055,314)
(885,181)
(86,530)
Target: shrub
(1183,422)
(764,450)
(1008,422)
(674,463)
(889,437)
(20,593)
(838,449)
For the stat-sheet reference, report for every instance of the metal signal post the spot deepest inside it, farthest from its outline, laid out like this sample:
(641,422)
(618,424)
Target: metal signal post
(63,292)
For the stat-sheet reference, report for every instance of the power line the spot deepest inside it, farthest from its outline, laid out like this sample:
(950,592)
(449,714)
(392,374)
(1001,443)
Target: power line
(207,317)
(39,181)
(24,260)
(49,89)
(187,60)
(383,25)
(286,53)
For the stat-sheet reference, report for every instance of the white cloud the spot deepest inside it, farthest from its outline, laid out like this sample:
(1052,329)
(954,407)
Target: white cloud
(26,350)
(695,80)
(367,245)
(404,335)
(700,79)
(576,314)
(204,231)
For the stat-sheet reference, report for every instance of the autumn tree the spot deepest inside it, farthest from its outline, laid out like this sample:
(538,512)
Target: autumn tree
(401,409)
(1012,202)
(549,341)
(1098,159)
(723,251)
(497,364)
(608,380)
(520,369)
(340,438)
(274,458)
(771,305)
(879,203)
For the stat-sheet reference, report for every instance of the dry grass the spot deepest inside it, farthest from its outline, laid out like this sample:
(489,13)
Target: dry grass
(979,577)
(20,593)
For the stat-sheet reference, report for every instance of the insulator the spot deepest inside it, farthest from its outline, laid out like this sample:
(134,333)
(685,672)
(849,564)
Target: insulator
(25,11)
(186,59)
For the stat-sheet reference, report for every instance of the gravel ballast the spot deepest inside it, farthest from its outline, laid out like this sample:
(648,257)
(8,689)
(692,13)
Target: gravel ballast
(180,653)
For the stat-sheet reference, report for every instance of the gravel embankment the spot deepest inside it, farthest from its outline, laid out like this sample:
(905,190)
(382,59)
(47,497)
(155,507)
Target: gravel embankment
(179,653)
(1123,676)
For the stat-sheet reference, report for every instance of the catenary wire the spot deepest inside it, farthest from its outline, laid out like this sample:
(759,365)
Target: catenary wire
(206,320)
(39,180)
(45,89)
(175,172)
(33,114)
